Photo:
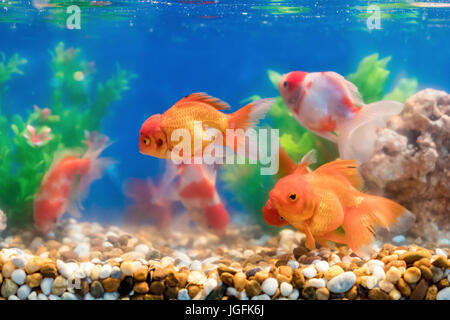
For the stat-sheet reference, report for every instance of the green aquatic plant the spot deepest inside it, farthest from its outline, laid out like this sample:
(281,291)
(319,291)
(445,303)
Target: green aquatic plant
(28,144)
(244,182)
(371,78)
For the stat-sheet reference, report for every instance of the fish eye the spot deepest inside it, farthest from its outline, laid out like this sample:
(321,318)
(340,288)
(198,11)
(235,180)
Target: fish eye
(146,141)
(285,84)
(293,196)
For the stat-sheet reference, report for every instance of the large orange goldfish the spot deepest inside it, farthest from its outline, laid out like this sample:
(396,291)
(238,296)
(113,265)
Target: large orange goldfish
(66,181)
(332,107)
(156,132)
(327,204)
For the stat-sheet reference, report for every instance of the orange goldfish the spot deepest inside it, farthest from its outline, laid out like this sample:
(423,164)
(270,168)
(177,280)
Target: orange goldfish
(156,132)
(65,182)
(327,205)
(332,107)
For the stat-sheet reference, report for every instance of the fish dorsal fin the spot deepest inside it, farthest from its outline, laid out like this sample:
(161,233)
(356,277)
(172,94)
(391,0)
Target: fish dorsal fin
(346,168)
(205,98)
(309,158)
(353,90)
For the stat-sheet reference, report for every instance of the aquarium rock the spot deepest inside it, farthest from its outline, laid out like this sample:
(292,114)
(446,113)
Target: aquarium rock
(411,162)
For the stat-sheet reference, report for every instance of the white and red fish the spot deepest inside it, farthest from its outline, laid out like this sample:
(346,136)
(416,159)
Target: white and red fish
(196,189)
(66,181)
(331,107)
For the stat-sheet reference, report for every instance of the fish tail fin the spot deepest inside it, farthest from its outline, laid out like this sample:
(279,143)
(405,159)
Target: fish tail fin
(374,211)
(246,118)
(356,138)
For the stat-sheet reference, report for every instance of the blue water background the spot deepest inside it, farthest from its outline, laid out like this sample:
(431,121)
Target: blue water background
(223,49)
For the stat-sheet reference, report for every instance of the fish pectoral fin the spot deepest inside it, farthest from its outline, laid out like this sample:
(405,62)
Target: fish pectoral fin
(204,98)
(309,242)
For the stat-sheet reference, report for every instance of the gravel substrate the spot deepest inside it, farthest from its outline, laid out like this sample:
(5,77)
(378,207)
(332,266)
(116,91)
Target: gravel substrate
(91,261)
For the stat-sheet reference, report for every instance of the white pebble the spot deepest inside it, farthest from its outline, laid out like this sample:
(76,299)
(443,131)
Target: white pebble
(64,269)
(69,296)
(46,285)
(19,261)
(342,282)
(197,277)
(32,296)
(441,252)
(210,285)
(183,295)
(378,272)
(87,267)
(42,296)
(293,264)
(143,248)
(243,295)
(13,297)
(167,261)
(261,297)
(18,276)
(116,273)
(371,264)
(317,283)
(322,266)
(270,286)
(23,292)
(294,295)
(53,297)
(248,253)
(309,272)
(88,296)
(286,289)
(195,266)
(444,294)
(107,245)
(83,250)
(106,271)
(399,239)
(231,292)
(111,296)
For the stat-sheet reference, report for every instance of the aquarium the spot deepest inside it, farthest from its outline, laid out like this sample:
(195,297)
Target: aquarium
(224,150)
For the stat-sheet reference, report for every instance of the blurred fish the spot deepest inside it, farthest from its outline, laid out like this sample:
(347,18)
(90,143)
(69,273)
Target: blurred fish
(156,131)
(196,189)
(66,181)
(332,107)
(327,205)
(149,203)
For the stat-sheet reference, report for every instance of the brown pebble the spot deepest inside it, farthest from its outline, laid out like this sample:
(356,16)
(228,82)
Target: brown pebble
(441,262)
(34,280)
(443,283)
(141,287)
(378,294)
(352,293)
(171,293)
(240,281)
(33,265)
(285,271)
(426,272)
(141,274)
(299,251)
(403,287)
(309,293)
(261,276)
(182,279)
(411,256)
(419,290)
(298,278)
(251,272)
(157,287)
(395,263)
(153,297)
(223,268)
(422,262)
(193,290)
(49,270)
(159,274)
(227,278)
(412,275)
(171,279)
(431,293)
(253,288)
(111,284)
(322,294)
